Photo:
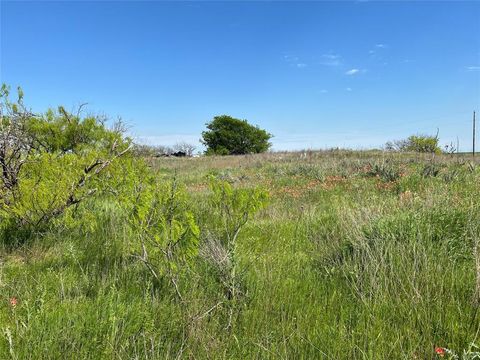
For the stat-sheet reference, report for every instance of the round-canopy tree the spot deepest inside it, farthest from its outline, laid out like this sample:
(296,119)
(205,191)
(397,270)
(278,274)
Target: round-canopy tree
(229,136)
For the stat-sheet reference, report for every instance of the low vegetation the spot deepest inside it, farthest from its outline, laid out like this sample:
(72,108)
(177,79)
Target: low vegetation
(332,254)
(418,143)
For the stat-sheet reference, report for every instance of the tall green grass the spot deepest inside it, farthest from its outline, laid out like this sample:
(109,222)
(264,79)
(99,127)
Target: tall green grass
(358,256)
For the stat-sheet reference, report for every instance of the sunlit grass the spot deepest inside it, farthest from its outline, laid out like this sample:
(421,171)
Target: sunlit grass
(360,255)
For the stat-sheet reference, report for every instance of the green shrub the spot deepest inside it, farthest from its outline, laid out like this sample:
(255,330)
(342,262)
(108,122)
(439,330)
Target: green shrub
(52,162)
(231,209)
(416,143)
(166,234)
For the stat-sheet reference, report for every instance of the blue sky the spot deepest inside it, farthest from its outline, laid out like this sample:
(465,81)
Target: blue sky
(315,74)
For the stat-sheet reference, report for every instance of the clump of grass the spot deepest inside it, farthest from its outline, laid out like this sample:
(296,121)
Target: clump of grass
(430,170)
(308,171)
(385,170)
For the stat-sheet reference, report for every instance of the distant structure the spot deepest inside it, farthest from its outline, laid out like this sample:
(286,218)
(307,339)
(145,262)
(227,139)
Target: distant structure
(175,154)
(179,154)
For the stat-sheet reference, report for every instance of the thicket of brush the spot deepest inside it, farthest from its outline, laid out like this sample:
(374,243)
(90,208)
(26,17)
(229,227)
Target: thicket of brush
(335,255)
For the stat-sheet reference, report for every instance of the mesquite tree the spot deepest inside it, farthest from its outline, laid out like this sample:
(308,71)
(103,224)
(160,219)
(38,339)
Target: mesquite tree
(233,207)
(166,234)
(51,162)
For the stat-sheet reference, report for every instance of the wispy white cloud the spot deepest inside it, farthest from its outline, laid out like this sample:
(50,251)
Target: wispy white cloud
(331,59)
(352,72)
(349,89)
(290,58)
(377,49)
(473,68)
(324,91)
(294,61)
(355,72)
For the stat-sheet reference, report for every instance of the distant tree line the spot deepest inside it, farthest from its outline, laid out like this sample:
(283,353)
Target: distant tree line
(179,149)
(226,135)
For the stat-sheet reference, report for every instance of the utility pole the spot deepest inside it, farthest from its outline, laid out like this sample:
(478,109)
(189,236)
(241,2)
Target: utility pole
(473,147)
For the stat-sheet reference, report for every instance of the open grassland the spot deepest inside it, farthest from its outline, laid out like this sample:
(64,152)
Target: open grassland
(359,255)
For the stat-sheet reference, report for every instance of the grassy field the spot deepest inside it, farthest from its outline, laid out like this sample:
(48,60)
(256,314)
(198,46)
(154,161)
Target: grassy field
(358,255)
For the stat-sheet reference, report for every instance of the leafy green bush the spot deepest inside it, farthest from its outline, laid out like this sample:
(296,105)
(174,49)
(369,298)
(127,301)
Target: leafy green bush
(416,143)
(229,136)
(234,207)
(166,231)
(423,143)
(51,162)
